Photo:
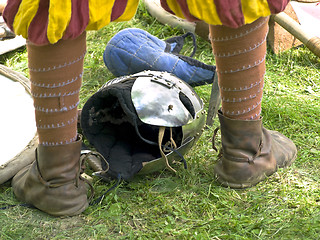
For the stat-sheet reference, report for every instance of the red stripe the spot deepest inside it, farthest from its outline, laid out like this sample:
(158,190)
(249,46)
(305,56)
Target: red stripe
(10,12)
(185,10)
(165,6)
(79,19)
(277,6)
(230,12)
(118,9)
(37,31)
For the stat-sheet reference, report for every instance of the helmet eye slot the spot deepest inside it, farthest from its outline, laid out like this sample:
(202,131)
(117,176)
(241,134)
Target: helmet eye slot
(187,103)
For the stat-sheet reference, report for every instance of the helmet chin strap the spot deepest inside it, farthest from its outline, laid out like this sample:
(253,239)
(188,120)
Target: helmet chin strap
(171,142)
(169,146)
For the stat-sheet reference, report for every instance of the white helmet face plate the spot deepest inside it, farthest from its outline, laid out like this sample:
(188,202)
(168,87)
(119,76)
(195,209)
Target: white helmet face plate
(155,96)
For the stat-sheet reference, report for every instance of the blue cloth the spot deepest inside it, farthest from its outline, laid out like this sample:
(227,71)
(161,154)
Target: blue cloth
(133,50)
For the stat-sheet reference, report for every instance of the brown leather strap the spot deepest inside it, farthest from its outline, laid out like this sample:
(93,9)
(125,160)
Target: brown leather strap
(160,138)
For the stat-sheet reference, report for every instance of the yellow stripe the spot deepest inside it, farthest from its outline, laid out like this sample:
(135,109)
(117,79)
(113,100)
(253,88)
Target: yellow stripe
(26,12)
(174,6)
(204,10)
(254,9)
(130,11)
(58,20)
(99,13)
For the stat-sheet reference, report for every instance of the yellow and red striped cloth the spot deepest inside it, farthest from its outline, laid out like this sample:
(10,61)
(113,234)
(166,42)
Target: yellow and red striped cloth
(47,21)
(230,13)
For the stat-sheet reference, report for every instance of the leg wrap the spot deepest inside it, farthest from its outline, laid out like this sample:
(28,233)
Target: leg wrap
(240,59)
(56,75)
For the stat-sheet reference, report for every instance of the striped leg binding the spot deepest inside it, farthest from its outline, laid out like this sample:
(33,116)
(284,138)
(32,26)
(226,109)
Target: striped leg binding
(56,76)
(240,59)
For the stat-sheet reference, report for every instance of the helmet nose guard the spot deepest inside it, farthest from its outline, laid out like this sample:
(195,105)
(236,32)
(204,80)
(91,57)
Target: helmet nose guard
(162,99)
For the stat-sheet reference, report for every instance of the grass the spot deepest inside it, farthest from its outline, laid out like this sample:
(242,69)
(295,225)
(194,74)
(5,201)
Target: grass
(191,204)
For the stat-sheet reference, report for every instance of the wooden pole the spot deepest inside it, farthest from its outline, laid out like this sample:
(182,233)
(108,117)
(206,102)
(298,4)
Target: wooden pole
(310,41)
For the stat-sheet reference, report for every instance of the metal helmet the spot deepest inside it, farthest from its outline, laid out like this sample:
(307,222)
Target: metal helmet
(154,115)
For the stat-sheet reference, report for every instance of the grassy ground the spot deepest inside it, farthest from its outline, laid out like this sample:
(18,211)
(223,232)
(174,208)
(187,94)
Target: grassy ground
(191,204)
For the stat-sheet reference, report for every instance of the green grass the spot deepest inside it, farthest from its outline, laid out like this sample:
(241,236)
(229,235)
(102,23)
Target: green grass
(191,204)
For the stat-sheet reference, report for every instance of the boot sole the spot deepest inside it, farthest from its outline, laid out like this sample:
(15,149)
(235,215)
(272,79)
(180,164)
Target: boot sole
(248,185)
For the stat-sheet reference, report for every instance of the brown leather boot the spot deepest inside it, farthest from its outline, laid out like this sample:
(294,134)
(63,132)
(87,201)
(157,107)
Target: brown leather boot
(53,183)
(250,152)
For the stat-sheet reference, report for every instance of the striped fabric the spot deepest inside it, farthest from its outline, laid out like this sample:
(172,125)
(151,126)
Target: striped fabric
(47,21)
(230,13)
